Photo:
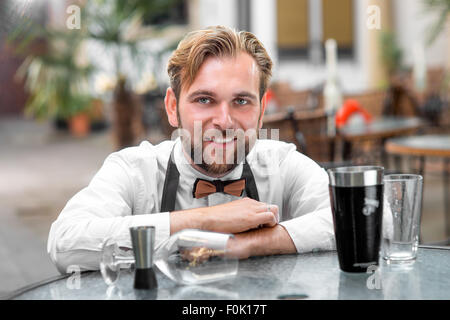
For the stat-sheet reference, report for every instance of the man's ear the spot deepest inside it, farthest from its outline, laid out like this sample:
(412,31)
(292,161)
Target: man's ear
(263,109)
(170,102)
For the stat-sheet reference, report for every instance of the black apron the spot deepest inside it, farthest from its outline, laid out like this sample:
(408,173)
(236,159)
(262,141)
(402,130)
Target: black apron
(173,177)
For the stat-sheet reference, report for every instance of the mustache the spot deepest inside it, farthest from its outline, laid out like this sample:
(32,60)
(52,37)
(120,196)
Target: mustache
(223,138)
(229,134)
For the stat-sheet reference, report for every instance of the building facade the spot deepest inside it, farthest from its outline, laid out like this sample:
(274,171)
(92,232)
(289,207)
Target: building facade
(293,31)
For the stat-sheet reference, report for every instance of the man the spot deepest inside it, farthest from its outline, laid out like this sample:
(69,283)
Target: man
(217,176)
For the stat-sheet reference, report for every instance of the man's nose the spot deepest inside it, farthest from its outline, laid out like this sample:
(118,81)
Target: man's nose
(223,118)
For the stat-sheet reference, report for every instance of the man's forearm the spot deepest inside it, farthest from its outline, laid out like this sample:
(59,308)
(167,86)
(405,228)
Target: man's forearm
(185,219)
(263,241)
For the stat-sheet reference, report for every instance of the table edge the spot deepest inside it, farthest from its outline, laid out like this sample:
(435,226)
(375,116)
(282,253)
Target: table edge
(20,291)
(418,124)
(377,134)
(424,246)
(392,146)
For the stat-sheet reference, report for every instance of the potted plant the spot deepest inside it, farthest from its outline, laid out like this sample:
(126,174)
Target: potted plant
(439,97)
(57,79)
(392,57)
(117,27)
(442,7)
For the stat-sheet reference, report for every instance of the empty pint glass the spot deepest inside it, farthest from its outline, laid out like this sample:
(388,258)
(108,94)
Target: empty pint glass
(356,195)
(402,210)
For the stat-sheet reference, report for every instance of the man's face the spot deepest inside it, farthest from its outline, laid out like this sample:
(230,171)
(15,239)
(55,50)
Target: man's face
(224,102)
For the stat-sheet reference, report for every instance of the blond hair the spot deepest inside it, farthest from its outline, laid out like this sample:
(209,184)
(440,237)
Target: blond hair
(217,41)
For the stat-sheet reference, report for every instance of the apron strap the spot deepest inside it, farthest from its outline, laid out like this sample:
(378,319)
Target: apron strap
(170,185)
(173,177)
(250,185)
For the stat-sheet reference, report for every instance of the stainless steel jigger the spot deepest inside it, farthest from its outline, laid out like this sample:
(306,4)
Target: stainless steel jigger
(143,240)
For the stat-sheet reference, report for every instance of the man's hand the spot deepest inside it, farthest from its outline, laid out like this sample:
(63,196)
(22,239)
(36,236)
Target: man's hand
(232,217)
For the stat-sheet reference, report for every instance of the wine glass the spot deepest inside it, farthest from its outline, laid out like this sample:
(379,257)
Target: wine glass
(117,254)
(190,256)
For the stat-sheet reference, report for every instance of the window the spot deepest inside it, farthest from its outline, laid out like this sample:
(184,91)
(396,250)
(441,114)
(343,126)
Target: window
(292,28)
(303,26)
(337,21)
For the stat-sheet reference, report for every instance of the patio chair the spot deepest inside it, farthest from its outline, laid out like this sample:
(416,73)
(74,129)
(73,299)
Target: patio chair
(307,130)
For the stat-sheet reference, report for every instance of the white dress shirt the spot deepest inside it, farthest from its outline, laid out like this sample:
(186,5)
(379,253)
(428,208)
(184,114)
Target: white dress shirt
(127,192)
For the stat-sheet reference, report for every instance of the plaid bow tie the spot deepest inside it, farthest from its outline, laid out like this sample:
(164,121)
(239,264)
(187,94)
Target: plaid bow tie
(203,188)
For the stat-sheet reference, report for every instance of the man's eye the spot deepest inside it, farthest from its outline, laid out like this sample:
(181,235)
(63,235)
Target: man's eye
(204,100)
(241,101)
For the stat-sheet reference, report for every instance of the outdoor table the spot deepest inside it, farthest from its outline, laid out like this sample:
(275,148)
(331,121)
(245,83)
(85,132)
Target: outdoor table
(380,128)
(304,276)
(426,146)
(290,125)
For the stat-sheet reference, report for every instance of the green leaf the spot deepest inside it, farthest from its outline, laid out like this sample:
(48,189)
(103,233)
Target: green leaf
(442,8)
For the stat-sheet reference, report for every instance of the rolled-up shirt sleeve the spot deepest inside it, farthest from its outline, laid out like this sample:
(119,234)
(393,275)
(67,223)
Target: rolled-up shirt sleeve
(104,209)
(309,218)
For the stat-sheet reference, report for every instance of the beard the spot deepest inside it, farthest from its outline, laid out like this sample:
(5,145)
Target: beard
(218,160)
(216,164)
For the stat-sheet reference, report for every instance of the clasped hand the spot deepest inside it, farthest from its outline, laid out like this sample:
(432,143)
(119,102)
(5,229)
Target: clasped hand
(239,216)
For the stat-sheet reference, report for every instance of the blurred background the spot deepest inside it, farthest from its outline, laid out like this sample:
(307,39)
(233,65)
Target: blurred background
(81,79)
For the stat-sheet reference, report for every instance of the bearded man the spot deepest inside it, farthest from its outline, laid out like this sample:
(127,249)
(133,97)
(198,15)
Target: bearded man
(216,176)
